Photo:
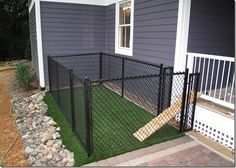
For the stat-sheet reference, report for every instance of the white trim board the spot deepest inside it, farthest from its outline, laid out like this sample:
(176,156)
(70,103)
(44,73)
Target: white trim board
(181,45)
(39,44)
(87,2)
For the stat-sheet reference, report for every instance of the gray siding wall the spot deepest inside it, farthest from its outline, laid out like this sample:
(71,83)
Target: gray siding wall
(110,29)
(155,25)
(211,28)
(74,28)
(33,39)
(71,28)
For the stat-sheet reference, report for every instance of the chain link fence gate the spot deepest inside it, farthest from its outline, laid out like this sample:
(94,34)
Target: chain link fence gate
(106,98)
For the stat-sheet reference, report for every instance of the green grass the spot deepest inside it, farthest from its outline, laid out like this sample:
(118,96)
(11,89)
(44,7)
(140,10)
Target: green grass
(113,126)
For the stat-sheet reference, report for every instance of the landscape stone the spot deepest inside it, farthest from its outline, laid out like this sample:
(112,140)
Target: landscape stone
(49,156)
(31,159)
(28,151)
(37,163)
(43,146)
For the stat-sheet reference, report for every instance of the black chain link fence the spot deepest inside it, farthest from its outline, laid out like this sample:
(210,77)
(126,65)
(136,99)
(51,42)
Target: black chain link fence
(107,98)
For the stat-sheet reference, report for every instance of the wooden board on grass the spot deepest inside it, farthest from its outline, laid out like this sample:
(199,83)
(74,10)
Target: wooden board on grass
(158,122)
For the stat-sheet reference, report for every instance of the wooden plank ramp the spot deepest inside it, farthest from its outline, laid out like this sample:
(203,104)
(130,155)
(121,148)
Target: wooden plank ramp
(162,119)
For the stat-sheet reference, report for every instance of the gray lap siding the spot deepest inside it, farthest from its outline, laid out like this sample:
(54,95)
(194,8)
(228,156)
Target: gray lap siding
(71,28)
(110,29)
(211,28)
(76,28)
(155,26)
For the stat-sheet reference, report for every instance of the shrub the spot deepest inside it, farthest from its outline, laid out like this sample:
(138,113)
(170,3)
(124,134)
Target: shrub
(24,76)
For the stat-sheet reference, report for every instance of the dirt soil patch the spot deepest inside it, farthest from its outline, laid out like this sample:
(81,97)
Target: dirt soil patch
(9,135)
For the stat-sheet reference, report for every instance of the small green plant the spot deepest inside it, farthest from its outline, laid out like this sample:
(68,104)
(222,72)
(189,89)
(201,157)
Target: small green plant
(24,76)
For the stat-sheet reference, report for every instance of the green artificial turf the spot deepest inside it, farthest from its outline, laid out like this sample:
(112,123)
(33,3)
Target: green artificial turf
(68,137)
(114,119)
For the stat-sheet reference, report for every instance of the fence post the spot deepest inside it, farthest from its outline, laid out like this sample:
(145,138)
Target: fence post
(57,81)
(123,75)
(72,99)
(100,66)
(159,110)
(88,115)
(171,75)
(163,92)
(183,100)
(196,84)
(49,73)
(189,86)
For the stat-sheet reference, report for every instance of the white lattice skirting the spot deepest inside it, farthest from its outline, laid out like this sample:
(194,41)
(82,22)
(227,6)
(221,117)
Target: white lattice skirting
(214,126)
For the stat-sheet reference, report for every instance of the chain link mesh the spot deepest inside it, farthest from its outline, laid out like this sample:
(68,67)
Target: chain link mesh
(116,118)
(121,97)
(79,105)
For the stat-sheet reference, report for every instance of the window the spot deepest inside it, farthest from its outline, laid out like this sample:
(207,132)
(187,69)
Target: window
(124,28)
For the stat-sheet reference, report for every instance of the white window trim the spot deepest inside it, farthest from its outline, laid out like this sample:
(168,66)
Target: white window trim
(119,50)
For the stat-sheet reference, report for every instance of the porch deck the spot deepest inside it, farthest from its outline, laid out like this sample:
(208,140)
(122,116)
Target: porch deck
(219,109)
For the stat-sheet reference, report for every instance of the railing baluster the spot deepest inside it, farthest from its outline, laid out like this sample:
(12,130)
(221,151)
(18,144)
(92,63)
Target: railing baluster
(222,79)
(195,64)
(208,66)
(215,82)
(227,82)
(199,64)
(218,68)
(204,59)
(190,63)
(232,88)
(213,69)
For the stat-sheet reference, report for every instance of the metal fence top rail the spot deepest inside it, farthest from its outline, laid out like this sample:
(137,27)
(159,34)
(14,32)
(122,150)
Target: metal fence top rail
(72,55)
(136,77)
(133,59)
(107,54)
(82,79)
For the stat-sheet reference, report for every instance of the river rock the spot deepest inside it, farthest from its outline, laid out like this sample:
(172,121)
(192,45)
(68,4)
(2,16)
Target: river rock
(43,146)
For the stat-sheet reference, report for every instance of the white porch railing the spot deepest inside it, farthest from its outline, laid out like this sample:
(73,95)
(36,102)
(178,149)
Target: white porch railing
(217,80)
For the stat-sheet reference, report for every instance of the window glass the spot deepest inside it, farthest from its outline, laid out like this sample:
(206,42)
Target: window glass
(127,12)
(122,37)
(127,40)
(122,14)
(124,24)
